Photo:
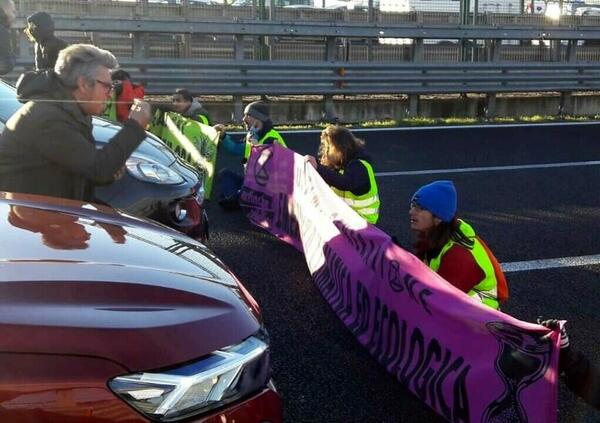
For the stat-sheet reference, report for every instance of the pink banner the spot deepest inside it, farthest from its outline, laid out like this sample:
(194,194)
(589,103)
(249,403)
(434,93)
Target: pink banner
(466,361)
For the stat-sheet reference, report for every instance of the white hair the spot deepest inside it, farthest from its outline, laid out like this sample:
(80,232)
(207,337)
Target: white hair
(82,60)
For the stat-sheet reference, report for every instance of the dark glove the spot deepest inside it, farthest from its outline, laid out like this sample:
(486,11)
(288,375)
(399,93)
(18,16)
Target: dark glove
(565,345)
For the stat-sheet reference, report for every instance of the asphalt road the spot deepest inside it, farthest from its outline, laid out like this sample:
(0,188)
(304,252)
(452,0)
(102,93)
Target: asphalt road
(321,371)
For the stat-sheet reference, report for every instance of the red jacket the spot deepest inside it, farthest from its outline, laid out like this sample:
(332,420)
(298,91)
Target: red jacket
(458,266)
(129,91)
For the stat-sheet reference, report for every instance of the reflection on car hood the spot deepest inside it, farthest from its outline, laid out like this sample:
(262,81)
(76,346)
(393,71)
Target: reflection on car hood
(83,279)
(104,130)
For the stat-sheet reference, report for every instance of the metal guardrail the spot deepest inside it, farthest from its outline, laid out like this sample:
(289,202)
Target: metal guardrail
(331,29)
(239,78)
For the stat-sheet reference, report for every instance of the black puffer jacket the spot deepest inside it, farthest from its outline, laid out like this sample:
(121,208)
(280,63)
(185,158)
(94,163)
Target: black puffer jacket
(41,27)
(355,177)
(7,57)
(48,148)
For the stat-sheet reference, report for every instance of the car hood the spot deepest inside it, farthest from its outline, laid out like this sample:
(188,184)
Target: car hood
(104,130)
(83,279)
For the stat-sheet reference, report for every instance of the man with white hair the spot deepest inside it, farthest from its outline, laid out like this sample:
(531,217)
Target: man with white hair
(47,146)
(7,18)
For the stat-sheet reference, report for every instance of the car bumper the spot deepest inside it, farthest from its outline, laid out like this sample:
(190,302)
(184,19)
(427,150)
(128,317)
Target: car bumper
(264,407)
(187,215)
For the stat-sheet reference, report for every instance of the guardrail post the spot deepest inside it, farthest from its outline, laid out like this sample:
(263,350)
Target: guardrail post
(494,47)
(329,114)
(238,55)
(417,56)
(139,47)
(566,98)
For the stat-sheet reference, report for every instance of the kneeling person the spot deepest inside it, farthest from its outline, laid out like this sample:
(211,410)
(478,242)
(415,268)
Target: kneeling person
(450,247)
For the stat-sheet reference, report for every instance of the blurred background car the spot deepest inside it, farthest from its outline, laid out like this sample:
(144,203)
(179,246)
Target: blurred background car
(157,185)
(108,317)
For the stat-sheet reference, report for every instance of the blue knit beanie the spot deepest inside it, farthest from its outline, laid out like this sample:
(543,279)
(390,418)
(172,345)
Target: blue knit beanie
(439,198)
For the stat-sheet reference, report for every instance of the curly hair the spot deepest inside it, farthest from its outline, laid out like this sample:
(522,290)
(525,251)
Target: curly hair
(338,146)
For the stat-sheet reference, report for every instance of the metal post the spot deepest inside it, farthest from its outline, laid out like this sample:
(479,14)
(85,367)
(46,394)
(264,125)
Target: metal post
(139,50)
(490,98)
(329,113)
(371,12)
(417,56)
(566,98)
(238,54)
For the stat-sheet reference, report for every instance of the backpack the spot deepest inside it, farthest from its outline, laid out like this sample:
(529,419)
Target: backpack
(502,284)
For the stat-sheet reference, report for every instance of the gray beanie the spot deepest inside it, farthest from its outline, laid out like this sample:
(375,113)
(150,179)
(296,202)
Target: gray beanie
(258,110)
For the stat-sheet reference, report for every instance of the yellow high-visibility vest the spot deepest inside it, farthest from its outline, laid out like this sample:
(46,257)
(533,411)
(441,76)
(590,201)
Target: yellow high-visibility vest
(366,205)
(278,139)
(485,291)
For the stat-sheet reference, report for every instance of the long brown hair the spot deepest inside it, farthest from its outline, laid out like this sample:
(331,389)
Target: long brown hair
(429,243)
(338,146)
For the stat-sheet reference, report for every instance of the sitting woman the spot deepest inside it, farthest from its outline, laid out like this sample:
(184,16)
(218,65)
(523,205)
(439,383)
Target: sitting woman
(344,165)
(450,247)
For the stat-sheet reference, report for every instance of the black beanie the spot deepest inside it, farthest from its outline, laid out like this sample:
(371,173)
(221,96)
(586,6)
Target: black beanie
(258,110)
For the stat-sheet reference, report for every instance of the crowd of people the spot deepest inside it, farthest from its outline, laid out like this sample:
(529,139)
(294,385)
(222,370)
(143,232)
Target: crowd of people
(48,148)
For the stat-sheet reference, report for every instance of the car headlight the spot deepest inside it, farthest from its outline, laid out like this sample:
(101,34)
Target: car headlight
(221,377)
(148,170)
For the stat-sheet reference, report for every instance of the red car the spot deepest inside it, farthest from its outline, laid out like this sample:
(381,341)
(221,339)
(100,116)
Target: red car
(106,317)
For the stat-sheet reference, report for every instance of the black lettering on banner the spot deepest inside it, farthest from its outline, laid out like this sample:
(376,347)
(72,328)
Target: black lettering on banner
(394,277)
(376,326)
(347,310)
(425,372)
(376,261)
(379,352)
(395,368)
(354,324)
(416,343)
(404,352)
(393,340)
(444,408)
(461,398)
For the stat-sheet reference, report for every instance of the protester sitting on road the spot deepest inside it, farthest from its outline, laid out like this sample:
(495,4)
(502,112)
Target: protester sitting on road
(40,30)
(345,166)
(124,93)
(260,131)
(450,247)
(186,105)
(7,18)
(580,374)
(47,146)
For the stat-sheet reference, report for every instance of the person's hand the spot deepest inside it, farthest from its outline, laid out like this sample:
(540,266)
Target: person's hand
(119,174)
(554,325)
(140,112)
(220,128)
(310,159)
(565,344)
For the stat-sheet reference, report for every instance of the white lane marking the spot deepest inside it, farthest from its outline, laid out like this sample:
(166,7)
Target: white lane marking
(488,168)
(522,266)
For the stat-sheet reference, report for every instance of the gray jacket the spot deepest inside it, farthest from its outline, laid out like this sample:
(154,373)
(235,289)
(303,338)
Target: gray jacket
(47,147)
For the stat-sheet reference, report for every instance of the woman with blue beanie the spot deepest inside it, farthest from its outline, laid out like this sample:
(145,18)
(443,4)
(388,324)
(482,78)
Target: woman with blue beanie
(450,247)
